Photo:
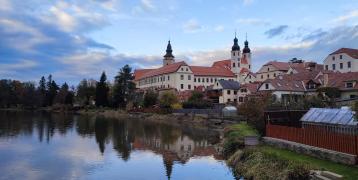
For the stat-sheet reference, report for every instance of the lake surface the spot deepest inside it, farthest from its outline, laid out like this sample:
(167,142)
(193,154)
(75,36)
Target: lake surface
(54,146)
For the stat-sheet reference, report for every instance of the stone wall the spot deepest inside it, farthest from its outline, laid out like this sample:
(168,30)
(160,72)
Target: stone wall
(312,151)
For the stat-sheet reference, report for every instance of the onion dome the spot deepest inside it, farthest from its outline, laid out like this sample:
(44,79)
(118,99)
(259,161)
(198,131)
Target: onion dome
(169,51)
(236,46)
(246,48)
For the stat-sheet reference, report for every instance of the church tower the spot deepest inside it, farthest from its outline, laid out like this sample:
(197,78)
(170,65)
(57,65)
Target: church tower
(235,57)
(168,57)
(246,52)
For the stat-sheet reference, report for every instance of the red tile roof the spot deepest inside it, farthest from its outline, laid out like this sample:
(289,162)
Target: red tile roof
(252,87)
(138,73)
(281,66)
(339,80)
(223,63)
(164,70)
(211,71)
(349,51)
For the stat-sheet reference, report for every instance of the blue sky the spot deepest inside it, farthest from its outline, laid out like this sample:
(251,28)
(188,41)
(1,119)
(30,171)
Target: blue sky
(76,39)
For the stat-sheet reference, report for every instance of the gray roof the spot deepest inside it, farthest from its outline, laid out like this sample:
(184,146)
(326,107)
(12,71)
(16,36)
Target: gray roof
(343,116)
(226,84)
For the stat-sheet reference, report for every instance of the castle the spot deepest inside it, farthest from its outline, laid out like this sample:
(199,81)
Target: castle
(181,76)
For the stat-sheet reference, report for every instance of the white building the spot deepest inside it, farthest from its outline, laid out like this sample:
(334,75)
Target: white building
(182,77)
(227,91)
(342,60)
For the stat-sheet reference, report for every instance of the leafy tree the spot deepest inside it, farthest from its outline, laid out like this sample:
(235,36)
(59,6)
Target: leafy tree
(102,91)
(332,93)
(167,99)
(30,96)
(196,100)
(124,87)
(85,92)
(150,98)
(61,96)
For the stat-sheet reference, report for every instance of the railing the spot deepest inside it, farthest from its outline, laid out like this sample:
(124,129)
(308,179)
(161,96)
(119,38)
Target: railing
(315,136)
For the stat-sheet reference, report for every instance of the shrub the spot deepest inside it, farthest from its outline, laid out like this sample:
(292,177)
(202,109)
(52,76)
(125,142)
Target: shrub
(196,100)
(167,99)
(150,98)
(176,106)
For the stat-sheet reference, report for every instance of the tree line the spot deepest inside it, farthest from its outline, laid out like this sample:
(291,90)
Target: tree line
(45,93)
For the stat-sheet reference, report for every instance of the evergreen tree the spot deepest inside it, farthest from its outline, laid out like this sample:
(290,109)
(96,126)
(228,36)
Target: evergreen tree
(102,91)
(42,91)
(124,87)
(62,94)
(52,89)
(85,91)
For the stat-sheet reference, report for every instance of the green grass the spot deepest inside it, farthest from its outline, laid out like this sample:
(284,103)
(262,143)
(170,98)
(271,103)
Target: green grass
(242,129)
(349,172)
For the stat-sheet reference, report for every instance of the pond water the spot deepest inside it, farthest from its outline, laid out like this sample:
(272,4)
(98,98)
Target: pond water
(54,146)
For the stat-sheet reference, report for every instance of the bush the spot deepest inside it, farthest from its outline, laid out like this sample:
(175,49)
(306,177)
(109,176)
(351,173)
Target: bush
(197,101)
(167,99)
(150,98)
(176,106)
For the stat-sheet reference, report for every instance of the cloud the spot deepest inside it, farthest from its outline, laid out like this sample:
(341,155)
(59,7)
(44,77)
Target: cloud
(21,65)
(276,31)
(248,2)
(192,26)
(5,5)
(253,21)
(219,28)
(144,6)
(347,17)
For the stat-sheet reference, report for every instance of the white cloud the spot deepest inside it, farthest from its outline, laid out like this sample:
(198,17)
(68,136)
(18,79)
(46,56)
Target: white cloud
(144,6)
(5,5)
(219,28)
(192,26)
(18,66)
(347,17)
(248,2)
(253,21)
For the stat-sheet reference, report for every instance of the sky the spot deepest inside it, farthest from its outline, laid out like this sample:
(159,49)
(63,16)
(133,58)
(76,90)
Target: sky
(76,39)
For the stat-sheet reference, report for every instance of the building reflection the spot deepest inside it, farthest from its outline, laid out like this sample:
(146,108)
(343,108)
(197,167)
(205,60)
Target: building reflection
(175,144)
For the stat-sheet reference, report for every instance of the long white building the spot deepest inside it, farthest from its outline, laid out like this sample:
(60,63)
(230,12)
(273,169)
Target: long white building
(343,60)
(181,76)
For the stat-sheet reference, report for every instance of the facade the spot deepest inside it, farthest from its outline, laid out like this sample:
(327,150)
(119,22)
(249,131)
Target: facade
(343,60)
(183,77)
(347,83)
(227,91)
(246,90)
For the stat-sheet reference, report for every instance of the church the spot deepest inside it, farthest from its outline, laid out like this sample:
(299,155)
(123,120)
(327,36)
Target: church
(181,76)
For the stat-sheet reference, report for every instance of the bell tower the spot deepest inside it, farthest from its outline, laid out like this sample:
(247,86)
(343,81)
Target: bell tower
(168,57)
(235,57)
(246,52)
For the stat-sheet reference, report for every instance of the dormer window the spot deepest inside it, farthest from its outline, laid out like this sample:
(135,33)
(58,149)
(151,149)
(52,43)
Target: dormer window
(266,86)
(349,84)
(311,86)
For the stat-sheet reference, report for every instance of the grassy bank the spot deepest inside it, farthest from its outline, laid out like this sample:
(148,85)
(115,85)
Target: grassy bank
(349,172)
(267,162)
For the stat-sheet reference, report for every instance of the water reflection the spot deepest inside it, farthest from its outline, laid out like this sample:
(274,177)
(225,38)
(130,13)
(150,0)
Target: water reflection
(175,145)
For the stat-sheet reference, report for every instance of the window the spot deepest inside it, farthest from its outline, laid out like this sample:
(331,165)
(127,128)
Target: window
(203,80)
(238,64)
(349,64)
(235,92)
(189,86)
(267,86)
(186,69)
(233,64)
(181,77)
(211,80)
(181,86)
(349,85)
(198,79)
(207,79)
(168,78)
(268,69)
(249,66)
(333,66)
(228,100)
(182,69)
(228,92)
(243,90)
(216,79)
(341,65)
(233,53)
(352,96)
(262,76)
(274,74)
(268,76)
(326,67)
(189,77)
(235,100)
(333,58)
(340,56)
(241,99)
(194,79)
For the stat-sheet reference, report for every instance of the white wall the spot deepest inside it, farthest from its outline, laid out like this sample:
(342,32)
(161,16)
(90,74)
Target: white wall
(337,61)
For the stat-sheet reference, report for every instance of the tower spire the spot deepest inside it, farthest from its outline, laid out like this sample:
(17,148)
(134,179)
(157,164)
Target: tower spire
(236,46)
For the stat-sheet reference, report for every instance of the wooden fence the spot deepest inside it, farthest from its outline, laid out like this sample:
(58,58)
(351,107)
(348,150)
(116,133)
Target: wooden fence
(315,136)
